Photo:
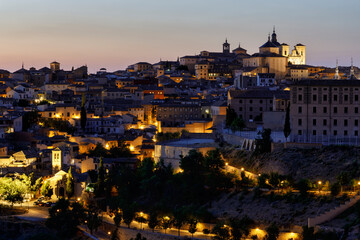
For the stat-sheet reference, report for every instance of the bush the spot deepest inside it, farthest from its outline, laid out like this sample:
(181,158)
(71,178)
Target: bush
(206,231)
(335,189)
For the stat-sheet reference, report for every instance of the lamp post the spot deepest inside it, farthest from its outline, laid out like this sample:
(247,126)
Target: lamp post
(319,185)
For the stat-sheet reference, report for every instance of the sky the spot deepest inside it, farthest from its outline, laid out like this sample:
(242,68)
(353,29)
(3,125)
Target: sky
(117,33)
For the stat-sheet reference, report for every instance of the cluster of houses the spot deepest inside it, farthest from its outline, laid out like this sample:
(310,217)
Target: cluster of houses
(189,95)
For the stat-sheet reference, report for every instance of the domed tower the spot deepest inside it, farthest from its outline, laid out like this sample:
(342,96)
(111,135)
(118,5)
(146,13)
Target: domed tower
(226,47)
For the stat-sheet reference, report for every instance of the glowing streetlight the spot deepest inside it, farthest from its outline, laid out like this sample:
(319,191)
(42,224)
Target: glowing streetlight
(78,199)
(226,164)
(319,182)
(109,233)
(242,169)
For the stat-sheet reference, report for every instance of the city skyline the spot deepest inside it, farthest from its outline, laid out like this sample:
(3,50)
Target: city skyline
(115,34)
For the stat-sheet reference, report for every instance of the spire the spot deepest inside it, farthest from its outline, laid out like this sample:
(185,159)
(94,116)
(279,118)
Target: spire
(22,65)
(352,70)
(226,40)
(337,76)
(269,37)
(273,36)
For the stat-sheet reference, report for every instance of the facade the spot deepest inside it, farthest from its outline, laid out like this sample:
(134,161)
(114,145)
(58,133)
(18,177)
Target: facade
(251,104)
(325,111)
(265,79)
(172,115)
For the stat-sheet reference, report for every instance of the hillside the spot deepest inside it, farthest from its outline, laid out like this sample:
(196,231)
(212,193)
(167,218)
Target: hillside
(315,164)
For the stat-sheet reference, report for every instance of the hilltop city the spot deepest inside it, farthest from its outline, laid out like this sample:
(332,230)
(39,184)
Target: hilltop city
(218,145)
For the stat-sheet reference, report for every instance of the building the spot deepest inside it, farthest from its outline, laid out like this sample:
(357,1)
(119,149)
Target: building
(251,104)
(274,57)
(325,111)
(172,151)
(175,114)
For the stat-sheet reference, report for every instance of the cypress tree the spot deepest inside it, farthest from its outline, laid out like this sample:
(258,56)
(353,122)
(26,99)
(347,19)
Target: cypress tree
(101,179)
(287,129)
(83,114)
(70,184)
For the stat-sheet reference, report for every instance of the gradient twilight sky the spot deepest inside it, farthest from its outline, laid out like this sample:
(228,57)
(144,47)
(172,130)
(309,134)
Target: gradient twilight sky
(116,33)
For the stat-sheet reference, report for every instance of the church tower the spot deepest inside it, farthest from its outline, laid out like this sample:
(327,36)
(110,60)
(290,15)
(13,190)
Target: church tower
(337,76)
(56,159)
(226,47)
(274,38)
(352,70)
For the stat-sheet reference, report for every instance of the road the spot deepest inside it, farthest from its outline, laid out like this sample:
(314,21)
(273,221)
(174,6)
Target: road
(36,213)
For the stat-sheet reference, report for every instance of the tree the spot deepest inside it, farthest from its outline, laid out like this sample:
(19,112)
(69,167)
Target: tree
(46,189)
(304,186)
(287,129)
(165,222)
(100,184)
(335,189)
(192,163)
(272,232)
(180,217)
(93,219)
(69,184)
(343,179)
(213,160)
(274,180)
(98,151)
(141,219)
(12,190)
(240,227)
(192,226)
(237,125)
(308,233)
(221,231)
(230,116)
(117,218)
(65,217)
(129,211)
(122,150)
(263,144)
(37,185)
(29,119)
(153,220)
(83,113)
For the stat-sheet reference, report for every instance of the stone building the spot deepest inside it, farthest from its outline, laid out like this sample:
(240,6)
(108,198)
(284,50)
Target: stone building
(325,111)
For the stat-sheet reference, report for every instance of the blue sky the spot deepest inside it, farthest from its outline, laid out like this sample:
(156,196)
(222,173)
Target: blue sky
(114,34)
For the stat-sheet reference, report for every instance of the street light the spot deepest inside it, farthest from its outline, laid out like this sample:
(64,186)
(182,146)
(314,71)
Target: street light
(319,183)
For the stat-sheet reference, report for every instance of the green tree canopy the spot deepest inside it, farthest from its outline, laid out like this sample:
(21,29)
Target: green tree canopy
(12,190)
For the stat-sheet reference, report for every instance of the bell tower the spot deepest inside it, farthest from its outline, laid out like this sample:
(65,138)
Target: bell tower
(226,47)
(56,160)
